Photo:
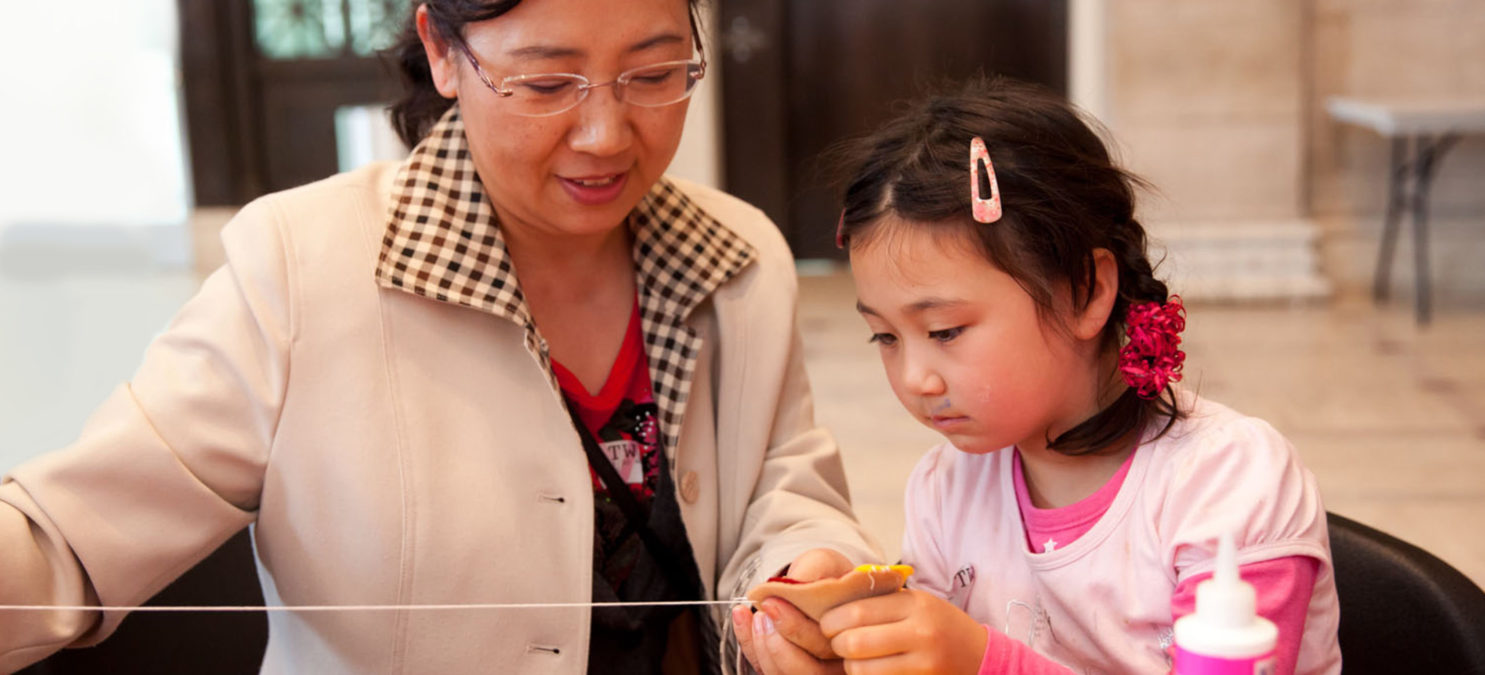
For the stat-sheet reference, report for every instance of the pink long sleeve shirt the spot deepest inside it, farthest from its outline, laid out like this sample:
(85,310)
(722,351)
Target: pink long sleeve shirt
(1095,586)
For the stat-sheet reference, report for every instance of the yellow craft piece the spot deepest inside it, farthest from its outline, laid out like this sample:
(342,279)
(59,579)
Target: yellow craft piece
(905,570)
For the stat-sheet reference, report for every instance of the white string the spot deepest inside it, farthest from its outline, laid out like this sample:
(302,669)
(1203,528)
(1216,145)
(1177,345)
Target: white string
(365,608)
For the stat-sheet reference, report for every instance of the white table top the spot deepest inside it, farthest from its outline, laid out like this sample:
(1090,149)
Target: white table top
(1404,117)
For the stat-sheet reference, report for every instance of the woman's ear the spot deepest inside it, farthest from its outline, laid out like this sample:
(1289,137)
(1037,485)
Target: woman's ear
(1094,315)
(442,59)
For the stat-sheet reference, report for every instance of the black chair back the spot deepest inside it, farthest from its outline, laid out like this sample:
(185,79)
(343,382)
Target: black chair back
(1402,609)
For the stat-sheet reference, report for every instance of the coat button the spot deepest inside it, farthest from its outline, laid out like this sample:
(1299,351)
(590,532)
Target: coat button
(690,487)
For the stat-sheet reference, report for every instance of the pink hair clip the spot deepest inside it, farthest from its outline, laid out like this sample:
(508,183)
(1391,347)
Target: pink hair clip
(986,209)
(840,231)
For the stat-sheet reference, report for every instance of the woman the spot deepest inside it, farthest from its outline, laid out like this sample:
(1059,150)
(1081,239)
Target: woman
(401,374)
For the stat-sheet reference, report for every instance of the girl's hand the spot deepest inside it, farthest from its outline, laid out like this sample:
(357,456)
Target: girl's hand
(905,632)
(779,638)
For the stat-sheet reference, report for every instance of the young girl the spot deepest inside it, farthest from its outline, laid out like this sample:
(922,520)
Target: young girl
(1077,502)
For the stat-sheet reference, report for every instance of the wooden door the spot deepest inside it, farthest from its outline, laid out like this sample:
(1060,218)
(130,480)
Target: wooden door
(801,75)
(263,80)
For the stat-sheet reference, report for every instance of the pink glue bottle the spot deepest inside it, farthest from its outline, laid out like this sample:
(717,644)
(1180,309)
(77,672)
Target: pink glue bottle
(1225,635)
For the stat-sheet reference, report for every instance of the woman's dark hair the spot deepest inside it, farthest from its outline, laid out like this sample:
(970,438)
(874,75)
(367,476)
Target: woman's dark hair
(1062,197)
(421,105)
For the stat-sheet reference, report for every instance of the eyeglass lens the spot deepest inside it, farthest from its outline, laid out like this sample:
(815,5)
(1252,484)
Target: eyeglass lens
(650,86)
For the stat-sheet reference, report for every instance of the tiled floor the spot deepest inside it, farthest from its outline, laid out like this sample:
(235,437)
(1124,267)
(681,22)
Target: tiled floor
(1389,417)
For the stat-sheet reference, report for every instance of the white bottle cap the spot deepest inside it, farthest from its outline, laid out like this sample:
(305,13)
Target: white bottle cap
(1226,623)
(1225,599)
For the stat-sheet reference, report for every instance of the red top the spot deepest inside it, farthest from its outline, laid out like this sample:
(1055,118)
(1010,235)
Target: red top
(622,416)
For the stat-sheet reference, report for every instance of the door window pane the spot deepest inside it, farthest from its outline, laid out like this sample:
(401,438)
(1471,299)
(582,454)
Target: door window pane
(316,29)
(375,24)
(299,29)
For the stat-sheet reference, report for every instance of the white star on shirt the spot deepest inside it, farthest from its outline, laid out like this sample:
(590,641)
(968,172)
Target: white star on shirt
(1049,546)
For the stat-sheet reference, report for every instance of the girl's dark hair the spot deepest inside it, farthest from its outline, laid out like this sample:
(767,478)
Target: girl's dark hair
(1062,197)
(421,105)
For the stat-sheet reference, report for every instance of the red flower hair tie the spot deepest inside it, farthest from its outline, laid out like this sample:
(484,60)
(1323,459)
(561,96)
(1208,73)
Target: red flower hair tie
(1152,358)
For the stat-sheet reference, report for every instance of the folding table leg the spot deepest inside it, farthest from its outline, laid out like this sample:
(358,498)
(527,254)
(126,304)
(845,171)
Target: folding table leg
(1397,174)
(1422,310)
(1428,155)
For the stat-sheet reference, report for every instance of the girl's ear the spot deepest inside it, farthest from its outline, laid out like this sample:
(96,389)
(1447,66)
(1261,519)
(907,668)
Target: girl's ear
(442,63)
(1089,321)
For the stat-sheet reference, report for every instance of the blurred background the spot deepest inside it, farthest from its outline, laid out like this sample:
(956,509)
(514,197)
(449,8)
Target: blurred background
(137,129)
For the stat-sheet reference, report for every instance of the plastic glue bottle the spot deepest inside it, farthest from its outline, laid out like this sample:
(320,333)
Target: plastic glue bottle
(1225,635)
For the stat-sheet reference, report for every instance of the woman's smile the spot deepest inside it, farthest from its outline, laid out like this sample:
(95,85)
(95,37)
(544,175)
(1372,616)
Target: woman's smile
(593,190)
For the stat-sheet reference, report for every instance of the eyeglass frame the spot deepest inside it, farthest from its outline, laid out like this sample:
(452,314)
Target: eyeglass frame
(586,85)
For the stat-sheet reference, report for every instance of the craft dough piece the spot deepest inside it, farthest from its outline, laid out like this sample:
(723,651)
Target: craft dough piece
(815,598)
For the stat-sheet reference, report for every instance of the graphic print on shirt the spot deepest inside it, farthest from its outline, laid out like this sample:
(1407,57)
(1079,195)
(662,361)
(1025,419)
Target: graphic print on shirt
(630,439)
(1167,640)
(1028,622)
(961,587)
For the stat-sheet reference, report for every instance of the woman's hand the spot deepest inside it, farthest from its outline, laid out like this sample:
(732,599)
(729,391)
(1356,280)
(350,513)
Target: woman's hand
(779,638)
(905,632)
(819,563)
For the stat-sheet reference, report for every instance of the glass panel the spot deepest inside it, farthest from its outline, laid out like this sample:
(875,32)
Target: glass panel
(364,134)
(299,29)
(375,24)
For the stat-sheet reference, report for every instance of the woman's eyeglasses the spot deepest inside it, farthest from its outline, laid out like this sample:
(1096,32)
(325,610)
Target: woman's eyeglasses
(545,94)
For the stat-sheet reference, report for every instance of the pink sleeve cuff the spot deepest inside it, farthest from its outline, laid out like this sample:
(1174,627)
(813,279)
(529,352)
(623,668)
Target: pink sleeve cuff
(1005,656)
(1284,587)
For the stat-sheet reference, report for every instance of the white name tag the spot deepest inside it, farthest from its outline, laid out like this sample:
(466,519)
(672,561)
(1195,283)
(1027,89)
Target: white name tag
(625,456)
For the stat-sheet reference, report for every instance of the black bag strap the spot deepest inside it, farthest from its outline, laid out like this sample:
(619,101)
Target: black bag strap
(618,491)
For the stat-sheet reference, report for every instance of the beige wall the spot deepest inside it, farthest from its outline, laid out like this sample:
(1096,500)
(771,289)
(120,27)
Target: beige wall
(1206,98)
(1221,104)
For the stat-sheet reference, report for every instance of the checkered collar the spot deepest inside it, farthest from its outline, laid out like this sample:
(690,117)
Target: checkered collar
(443,242)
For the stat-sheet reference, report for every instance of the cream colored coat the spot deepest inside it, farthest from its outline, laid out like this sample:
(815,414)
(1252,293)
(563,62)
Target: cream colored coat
(393,449)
